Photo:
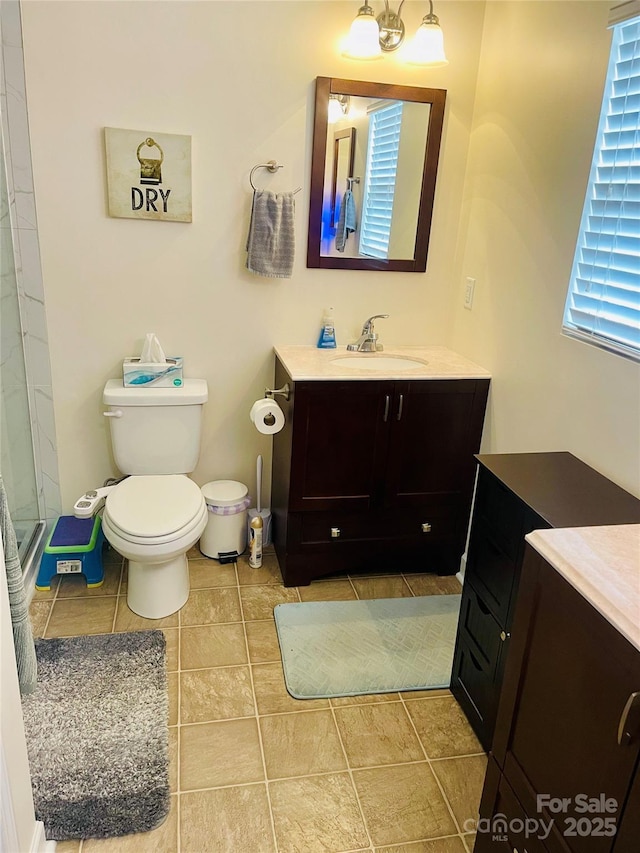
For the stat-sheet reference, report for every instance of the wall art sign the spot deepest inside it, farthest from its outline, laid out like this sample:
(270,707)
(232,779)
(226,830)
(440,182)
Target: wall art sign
(148,174)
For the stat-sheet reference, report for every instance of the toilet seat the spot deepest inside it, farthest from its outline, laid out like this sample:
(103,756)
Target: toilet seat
(155,509)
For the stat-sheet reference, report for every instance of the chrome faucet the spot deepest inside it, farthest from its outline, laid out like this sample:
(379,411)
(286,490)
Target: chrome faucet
(368,340)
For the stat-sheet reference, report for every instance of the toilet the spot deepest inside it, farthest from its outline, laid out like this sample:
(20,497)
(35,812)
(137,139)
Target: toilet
(157,513)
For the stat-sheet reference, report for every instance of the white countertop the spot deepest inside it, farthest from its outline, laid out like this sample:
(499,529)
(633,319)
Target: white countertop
(309,362)
(603,564)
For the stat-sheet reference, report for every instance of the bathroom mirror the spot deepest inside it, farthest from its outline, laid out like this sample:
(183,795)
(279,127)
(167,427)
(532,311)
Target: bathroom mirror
(387,137)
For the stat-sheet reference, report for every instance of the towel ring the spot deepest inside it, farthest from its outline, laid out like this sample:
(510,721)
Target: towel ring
(272,166)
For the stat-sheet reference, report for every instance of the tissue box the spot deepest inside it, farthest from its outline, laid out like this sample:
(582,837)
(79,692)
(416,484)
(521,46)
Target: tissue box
(156,374)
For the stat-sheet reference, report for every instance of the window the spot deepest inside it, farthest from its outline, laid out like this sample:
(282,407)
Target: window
(603,303)
(382,164)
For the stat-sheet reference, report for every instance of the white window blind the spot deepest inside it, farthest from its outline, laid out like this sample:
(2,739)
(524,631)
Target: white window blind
(382,164)
(603,303)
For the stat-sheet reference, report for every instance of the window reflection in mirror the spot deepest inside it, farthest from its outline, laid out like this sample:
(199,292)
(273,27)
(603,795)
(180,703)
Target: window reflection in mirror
(373,176)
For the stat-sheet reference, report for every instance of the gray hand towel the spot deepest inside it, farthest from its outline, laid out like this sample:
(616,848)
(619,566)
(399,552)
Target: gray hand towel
(347,221)
(22,635)
(271,242)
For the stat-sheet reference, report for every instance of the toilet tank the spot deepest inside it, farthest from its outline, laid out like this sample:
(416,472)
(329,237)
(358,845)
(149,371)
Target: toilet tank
(155,430)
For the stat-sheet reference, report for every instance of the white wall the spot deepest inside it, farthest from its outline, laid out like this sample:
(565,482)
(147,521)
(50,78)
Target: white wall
(238,77)
(540,87)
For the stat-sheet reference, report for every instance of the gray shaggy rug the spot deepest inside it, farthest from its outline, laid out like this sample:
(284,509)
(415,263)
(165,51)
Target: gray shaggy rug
(97,737)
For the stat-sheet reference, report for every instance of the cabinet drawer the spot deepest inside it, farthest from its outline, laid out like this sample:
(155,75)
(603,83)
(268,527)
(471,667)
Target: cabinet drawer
(491,571)
(480,625)
(501,513)
(336,527)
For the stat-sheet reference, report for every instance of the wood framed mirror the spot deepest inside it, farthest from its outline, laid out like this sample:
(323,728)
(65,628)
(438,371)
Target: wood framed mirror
(394,134)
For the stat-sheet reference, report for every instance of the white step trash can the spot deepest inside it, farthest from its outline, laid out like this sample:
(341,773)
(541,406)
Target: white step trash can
(225,536)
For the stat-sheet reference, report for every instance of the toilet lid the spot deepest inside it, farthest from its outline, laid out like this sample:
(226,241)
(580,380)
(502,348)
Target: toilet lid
(154,505)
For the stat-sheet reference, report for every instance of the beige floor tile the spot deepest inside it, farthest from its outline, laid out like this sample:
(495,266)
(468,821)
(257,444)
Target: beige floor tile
(381,587)
(38,614)
(211,606)
(172,638)
(271,693)
(328,591)
(215,694)
(228,820)
(174,743)
(46,594)
(402,803)
(378,734)
(442,727)
(258,601)
(268,573)
(73,586)
(164,839)
(173,689)
(368,699)
(301,744)
(216,754)
(462,780)
(67,846)
(317,814)
(74,616)
(453,844)
(434,584)
(207,574)
(212,645)
(470,841)
(127,620)
(262,639)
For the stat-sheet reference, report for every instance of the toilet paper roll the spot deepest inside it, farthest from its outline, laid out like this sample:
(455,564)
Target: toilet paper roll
(267,416)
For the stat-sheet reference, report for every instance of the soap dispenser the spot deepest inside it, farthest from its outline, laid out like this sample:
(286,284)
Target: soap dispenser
(327,339)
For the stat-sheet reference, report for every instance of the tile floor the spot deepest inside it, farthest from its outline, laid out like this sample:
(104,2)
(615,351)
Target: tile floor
(255,771)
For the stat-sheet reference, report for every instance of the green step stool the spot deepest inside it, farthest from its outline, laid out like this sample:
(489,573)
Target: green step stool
(74,547)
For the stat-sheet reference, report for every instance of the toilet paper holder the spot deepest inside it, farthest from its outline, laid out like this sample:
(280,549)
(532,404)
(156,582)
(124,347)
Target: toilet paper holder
(285,391)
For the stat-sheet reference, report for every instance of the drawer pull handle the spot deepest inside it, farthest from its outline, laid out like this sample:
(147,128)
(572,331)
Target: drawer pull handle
(400,405)
(335,532)
(504,635)
(387,402)
(629,725)
(426,527)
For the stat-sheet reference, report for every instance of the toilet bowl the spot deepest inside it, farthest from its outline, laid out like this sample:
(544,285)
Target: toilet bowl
(153,520)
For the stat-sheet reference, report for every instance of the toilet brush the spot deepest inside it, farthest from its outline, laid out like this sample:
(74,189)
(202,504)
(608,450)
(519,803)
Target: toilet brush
(258,509)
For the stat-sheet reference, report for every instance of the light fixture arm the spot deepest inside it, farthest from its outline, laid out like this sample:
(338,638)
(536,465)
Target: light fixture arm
(430,18)
(391,27)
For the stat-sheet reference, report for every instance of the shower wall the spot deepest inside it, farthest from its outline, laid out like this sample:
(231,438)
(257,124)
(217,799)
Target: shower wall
(28,460)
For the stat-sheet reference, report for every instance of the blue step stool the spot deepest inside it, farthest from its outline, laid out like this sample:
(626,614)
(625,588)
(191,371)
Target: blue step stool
(74,547)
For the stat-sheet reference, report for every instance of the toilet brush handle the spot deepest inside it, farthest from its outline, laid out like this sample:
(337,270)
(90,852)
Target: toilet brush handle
(259,484)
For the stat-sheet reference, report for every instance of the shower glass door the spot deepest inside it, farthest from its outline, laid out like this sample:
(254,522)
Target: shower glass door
(16,441)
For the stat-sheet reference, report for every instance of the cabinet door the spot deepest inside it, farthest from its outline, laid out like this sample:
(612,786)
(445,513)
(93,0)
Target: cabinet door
(340,437)
(569,676)
(436,427)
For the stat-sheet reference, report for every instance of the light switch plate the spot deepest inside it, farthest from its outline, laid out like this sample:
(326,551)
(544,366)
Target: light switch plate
(470,284)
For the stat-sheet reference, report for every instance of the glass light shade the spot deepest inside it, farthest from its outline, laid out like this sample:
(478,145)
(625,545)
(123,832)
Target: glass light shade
(363,41)
(427,46)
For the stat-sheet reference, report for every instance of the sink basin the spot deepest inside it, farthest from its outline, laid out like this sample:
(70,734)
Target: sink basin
(374,361)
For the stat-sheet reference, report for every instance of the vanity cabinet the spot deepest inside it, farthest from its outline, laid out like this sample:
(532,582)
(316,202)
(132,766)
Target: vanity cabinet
(563,739)
(369,473)
(516,493)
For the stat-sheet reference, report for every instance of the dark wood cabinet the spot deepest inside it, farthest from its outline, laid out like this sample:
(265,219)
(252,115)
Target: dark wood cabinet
(370,473)
(556,749)
(517,493)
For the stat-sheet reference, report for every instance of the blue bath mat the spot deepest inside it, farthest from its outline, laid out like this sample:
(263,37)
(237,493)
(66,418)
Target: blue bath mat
(351,648)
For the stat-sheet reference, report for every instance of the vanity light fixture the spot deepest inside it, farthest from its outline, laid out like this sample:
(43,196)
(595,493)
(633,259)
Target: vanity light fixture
(369,36)
(338,108)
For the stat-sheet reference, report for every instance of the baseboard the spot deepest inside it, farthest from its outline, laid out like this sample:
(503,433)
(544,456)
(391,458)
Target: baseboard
(463,568)
(39,843)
